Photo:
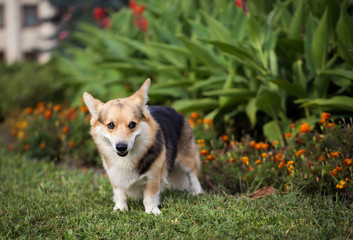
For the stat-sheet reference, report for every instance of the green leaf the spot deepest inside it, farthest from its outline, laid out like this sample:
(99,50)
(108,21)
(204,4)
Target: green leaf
(204,55)
(239,53)
(298,20)
(251,110)
(268,101)
(294,89)
(235,92)
(338,73)
(217,30)
(187,105)
(344,27)
(319,45)
(336,103)
(272,132)
(308,39)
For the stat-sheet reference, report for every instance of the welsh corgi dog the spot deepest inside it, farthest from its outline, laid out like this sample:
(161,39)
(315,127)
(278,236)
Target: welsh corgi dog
(143,148)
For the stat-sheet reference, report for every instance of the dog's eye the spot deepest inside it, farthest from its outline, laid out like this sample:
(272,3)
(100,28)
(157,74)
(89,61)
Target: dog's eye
(132,125)
(111,125)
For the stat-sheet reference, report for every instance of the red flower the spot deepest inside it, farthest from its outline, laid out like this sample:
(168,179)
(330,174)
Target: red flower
(136,9)
(106,22)
(141,23)
(99,13)
(242,4)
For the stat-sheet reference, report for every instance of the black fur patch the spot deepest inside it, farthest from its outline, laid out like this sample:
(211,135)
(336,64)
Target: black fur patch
(152,153)
(171,122)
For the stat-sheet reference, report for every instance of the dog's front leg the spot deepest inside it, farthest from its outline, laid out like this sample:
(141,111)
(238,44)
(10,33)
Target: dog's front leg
(120,199)
(151,197)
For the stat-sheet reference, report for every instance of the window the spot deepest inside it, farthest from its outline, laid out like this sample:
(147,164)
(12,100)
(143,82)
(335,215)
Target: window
(31,56)
(29,13)
(1,16)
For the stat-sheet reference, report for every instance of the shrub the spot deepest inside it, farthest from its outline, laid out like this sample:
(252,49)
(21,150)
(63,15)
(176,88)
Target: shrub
(28,83)
(314,160)
(52,132)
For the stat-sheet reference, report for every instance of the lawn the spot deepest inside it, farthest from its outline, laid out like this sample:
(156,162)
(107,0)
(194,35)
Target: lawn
(41,200)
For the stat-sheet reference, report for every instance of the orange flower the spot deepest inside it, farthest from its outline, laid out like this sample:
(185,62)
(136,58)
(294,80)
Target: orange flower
(300,152)
(71,113)
(231,160)
(330,125)
(65,129)
(252,144)
(281,164)
(335,171)
(264,155)
(204,152)
(279,156)
(84,109)
(84,169)
(26,146)
(258,146)
(192,123)
(292,125)
(304,128)
(324,117)
(335,154)
(194,115)
(250,168)
(71,144)
(57,108)
(48,114)
(348,162)
(245,160)
(258,161)
(233,143)
(225,138)
(288,135)
(42,145)
(210,157)
(200,142)
(29,110)
(321,159)
(208,122)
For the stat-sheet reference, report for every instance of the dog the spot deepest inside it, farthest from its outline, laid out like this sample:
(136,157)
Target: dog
(143,148)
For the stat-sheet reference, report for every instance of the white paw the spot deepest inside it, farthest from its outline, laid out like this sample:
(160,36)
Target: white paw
(121,207)
(196,191)
(154,210)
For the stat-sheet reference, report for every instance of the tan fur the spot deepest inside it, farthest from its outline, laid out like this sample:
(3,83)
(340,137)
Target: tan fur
(123,169)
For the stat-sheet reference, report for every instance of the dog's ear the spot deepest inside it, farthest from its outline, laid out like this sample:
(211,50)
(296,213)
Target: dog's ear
(141,96)
(92,104)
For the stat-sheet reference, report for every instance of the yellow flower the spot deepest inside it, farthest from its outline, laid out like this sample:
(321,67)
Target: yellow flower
(275,143)
(341,184)
(245,160)
(20,134)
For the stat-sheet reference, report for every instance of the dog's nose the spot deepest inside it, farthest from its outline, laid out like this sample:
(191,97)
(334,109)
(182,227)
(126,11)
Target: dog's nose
(121,147)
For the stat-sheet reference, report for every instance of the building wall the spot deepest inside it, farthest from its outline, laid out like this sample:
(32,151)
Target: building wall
(16,40)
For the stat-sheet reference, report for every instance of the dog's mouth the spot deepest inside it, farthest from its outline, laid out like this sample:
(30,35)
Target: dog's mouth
(123,154)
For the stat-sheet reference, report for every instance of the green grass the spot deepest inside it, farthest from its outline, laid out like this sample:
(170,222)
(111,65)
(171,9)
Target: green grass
(39,200)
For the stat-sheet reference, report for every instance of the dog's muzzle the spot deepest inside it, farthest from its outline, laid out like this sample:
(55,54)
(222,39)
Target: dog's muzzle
(122,149)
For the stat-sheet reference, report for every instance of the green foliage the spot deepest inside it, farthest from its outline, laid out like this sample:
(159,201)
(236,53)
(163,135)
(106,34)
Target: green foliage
(40,200)
(52,132)
(315,161)
(211,56)
(28,83)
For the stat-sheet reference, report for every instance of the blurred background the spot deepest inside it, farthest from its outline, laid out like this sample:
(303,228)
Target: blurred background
(244,66)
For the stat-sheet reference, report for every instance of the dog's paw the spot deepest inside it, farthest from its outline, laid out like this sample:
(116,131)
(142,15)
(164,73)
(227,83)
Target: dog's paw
(197,191)
(121,207)
(154,210)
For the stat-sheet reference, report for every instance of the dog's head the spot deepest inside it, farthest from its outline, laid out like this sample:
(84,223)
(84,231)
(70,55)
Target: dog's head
(119,121)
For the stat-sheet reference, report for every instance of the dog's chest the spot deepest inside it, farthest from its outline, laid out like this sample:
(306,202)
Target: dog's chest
(125,178)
